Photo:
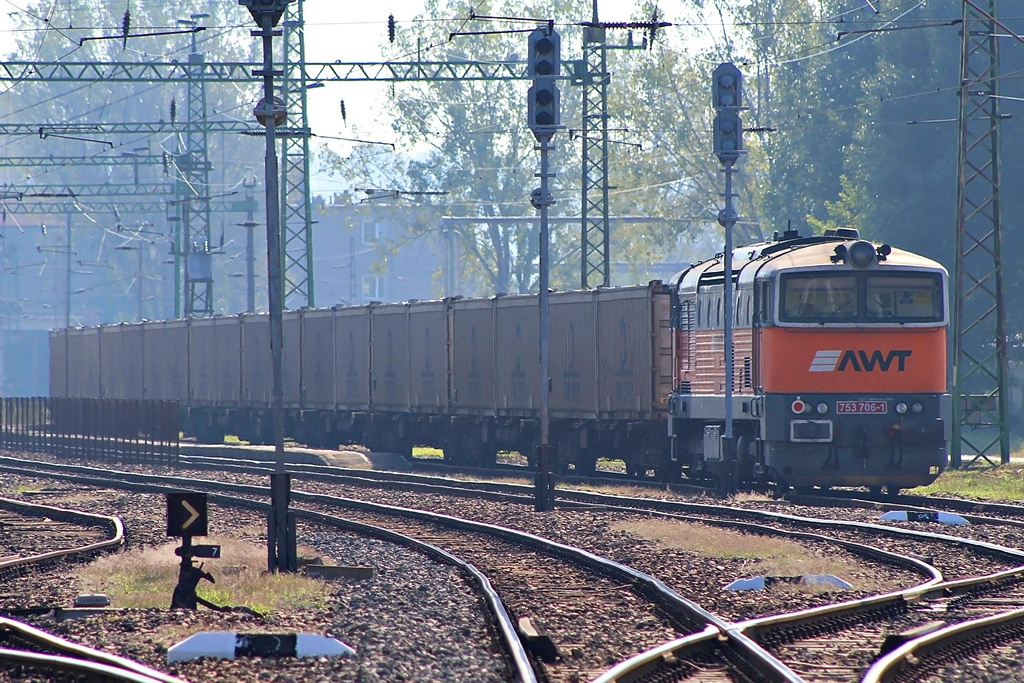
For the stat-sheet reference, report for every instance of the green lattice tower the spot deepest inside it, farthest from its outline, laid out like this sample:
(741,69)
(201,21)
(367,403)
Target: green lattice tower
(296,203)
(595,237)
(194,193)
(980,426)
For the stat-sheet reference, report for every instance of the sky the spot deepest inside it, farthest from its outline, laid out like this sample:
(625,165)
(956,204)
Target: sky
(345,32)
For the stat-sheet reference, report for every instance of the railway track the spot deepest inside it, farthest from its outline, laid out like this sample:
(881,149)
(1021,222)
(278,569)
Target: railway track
(831,647)
(36,537)
(618,585)
(30,653)
(806,640)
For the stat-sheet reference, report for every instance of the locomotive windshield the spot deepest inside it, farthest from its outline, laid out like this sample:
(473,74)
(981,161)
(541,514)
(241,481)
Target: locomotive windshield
(819,297)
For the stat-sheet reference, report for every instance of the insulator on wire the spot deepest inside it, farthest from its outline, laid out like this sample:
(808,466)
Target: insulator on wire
(165,163)
(174,110)
(344,116)
(126,25)
(391,28)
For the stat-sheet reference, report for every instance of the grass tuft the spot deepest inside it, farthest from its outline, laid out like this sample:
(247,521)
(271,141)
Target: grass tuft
(427,452)
(1005,482)
(761,555)
(146,578)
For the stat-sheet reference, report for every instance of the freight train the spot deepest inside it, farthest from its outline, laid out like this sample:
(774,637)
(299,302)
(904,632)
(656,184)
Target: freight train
(839,374)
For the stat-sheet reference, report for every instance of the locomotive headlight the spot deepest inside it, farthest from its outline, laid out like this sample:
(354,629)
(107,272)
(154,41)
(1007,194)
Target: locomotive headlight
(917,407)
(861,254)
(822,408)
(901,407)
(799,407)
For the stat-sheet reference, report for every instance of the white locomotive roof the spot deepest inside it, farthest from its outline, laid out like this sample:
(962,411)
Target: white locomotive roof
(768,258)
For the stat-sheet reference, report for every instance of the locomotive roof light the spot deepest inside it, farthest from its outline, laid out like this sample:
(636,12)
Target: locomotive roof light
(901,408)
(840,256)
(799,406)
(822,408)
(883,251)
(861,254)
(917,407)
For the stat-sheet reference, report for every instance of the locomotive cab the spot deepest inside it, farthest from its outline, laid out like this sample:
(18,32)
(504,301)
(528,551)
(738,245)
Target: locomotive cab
(839,368)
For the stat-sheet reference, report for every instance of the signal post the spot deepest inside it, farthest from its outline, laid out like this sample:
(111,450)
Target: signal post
(727,96)
(270,111)
(543,64)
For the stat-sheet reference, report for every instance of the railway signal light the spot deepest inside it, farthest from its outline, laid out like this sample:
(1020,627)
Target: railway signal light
(543,64)
(727,96)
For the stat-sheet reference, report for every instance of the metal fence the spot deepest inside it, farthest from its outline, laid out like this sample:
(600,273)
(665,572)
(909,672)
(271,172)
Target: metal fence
(133,431)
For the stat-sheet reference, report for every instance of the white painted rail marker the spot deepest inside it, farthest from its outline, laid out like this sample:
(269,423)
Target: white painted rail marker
(230,645)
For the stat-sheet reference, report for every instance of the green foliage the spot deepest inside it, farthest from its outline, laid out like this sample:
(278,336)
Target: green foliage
(844,212)
(988,483)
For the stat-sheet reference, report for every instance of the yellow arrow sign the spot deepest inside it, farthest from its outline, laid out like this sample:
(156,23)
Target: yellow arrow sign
(193,515)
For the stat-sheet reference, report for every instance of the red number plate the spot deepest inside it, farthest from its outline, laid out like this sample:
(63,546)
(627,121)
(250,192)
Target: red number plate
(862,407)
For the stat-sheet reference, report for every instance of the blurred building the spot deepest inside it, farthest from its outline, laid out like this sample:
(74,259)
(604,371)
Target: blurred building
(379,250)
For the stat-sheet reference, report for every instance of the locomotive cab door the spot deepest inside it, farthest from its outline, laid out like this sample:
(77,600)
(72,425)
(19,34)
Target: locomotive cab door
(762,318)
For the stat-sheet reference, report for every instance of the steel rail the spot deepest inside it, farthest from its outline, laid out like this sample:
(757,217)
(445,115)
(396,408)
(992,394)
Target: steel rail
(93,670)
(77,658)
(646,663)
(36,510)
(909,654)
(504,623)
(1009,554)
(518,492)
(73,652)
(964,507)
(741,645)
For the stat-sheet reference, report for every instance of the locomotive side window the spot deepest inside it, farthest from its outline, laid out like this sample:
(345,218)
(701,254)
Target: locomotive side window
(906,298)
(818,297)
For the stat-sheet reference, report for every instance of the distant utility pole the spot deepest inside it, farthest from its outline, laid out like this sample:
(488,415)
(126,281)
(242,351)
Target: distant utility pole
(980,422)
(193,188)
(250,248)
(296,202)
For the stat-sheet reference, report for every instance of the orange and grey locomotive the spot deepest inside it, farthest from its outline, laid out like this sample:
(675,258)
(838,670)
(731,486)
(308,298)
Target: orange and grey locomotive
(839,364)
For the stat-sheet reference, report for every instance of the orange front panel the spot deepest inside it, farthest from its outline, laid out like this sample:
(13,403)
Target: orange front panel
(853,360)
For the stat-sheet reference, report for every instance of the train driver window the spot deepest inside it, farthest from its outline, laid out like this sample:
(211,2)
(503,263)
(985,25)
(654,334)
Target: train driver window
(905,298)
(814,297)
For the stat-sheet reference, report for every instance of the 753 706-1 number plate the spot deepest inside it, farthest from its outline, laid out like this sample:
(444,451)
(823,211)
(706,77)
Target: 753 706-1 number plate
(862,407)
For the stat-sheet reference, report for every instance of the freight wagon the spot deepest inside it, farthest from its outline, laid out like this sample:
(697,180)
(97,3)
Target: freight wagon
(462,375)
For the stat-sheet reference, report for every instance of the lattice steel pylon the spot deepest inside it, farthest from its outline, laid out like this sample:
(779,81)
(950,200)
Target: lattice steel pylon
(193,195)
(296,203)
(595,238)
(979,319)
